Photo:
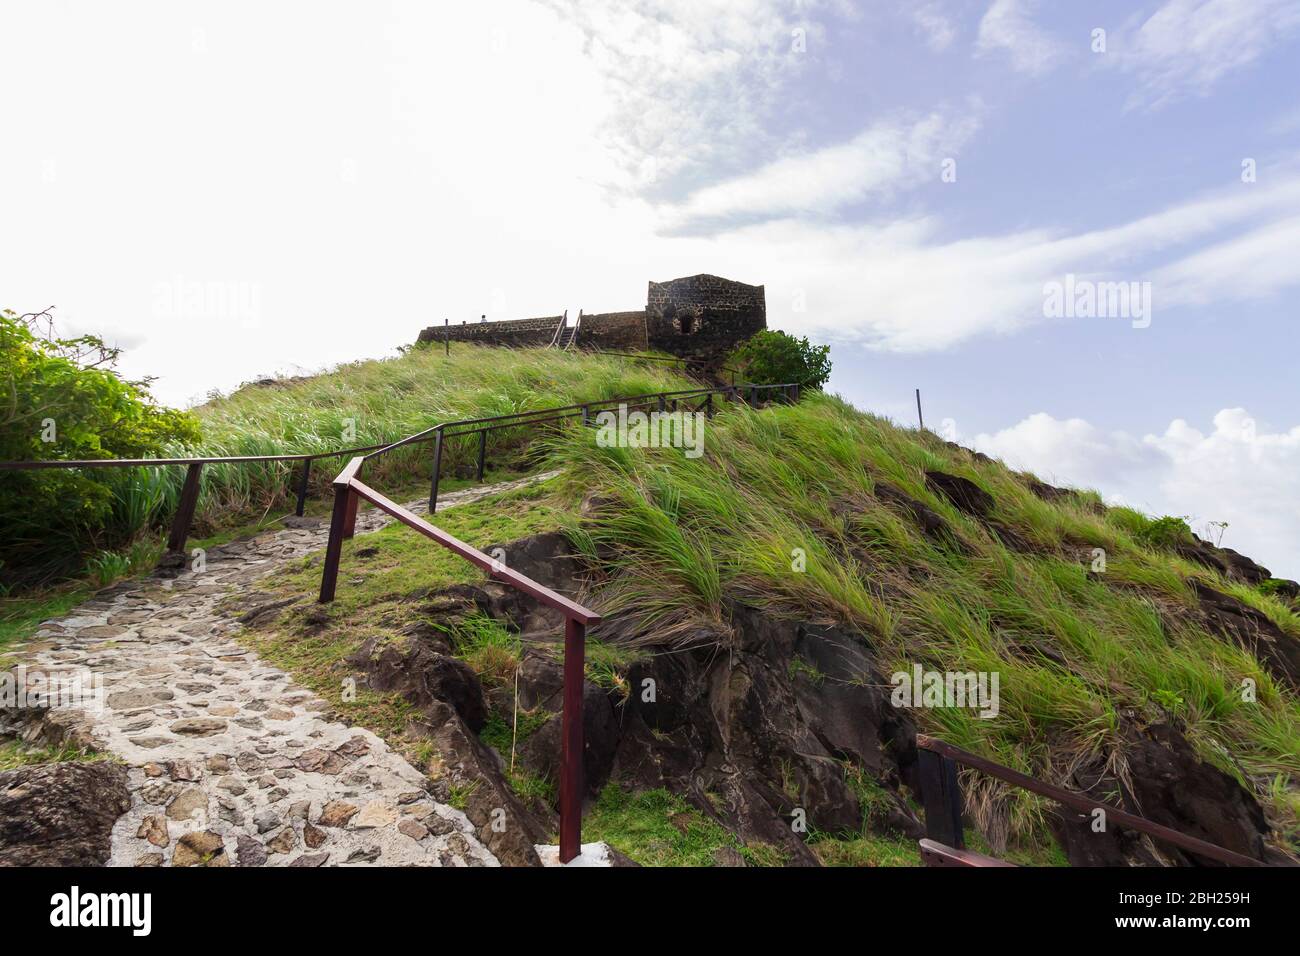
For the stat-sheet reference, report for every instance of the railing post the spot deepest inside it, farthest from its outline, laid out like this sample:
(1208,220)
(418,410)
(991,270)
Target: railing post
(571,783)
(185,508)
(302,488)
(437,468)
(334,548)
(795,388)
(586,415)
(708,405)
(662,402)
(482,451)
(941,797)
(350,516)
(446,338)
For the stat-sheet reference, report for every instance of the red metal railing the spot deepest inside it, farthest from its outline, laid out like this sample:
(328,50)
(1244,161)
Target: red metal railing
(348,490)
(941,796)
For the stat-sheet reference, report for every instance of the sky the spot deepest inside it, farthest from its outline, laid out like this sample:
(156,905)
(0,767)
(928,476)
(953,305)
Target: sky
(939,190)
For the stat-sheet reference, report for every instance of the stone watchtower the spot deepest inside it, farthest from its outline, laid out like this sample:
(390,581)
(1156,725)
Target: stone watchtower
(703,317)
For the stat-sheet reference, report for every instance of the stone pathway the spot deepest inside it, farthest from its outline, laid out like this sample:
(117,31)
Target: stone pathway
(229,761)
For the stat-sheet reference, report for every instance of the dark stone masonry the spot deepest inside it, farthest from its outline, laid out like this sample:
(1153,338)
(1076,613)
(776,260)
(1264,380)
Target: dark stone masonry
(700,317)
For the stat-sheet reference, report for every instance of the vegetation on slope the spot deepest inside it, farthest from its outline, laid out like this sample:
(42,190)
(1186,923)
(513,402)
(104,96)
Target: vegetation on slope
(358,404)
(1078,651)
(1074,649)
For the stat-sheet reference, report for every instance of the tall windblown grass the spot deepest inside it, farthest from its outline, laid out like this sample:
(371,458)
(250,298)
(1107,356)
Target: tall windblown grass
(380,401)
(1073,652)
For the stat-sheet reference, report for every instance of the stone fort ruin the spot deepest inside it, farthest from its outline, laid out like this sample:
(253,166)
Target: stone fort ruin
(700,317)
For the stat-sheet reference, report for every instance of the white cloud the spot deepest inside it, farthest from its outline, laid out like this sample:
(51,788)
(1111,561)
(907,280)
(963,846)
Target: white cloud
(897,287)
(457,203)
(1238,472)
(1188,46)
(689,81)
(887,155)
(935,25)
(1008,28)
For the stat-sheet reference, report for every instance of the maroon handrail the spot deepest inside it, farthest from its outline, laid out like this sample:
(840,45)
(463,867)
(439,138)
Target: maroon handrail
(347,490)
(942,796)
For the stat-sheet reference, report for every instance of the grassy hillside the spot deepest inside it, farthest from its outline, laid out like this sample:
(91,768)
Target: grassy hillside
(380,401)
(1081,653)
(358,404)
(814,513)
(1013,594)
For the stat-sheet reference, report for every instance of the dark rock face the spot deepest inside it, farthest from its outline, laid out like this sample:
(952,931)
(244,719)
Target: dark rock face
(504,826)
(1174,787)
(1229,563)
(962,492)
(423,675)
(1228,617)
(928,520)
(1042,489)
(600,729)
(1170,786)
(753,732)
(60,814)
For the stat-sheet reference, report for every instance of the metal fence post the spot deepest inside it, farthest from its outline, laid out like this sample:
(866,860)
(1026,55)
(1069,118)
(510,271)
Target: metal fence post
(482,451)
(334,548)
(571,783)
(708,405)
(437,468)
(663,403)
(350,515)
(446,338)
(185,508)
(302,488)
(941,797)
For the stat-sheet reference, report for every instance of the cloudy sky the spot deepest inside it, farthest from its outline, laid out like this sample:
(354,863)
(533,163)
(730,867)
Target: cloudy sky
(235,189)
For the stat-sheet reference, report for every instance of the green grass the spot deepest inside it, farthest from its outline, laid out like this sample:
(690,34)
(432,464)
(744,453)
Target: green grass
(14,754)
(20,616)
(1072,649)
(656,828)
(680,537)
(380,401)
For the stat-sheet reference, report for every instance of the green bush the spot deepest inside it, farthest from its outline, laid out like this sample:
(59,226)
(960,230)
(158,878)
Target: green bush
(63,400)
(1165,532)
(775,358)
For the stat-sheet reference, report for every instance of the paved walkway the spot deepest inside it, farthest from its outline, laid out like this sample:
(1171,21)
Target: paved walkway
(229,761)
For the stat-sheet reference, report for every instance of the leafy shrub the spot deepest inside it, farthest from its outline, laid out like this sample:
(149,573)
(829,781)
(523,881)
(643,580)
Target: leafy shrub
(63,400)
(774,358)
(1164,532)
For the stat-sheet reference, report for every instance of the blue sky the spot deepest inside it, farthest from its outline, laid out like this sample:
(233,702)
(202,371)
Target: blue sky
(238,189)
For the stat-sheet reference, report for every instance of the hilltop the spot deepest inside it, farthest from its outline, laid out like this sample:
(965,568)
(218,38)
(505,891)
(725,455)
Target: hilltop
(766,592)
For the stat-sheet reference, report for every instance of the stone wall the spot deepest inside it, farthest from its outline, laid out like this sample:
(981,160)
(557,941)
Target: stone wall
(704,316)
(613,331)
(700,317)
(521,333)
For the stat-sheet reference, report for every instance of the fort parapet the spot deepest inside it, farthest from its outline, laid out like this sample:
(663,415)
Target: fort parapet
(700,317)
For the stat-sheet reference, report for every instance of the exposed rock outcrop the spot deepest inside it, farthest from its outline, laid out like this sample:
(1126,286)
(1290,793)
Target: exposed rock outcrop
(1240,623)
(1169,784)
(61,814)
